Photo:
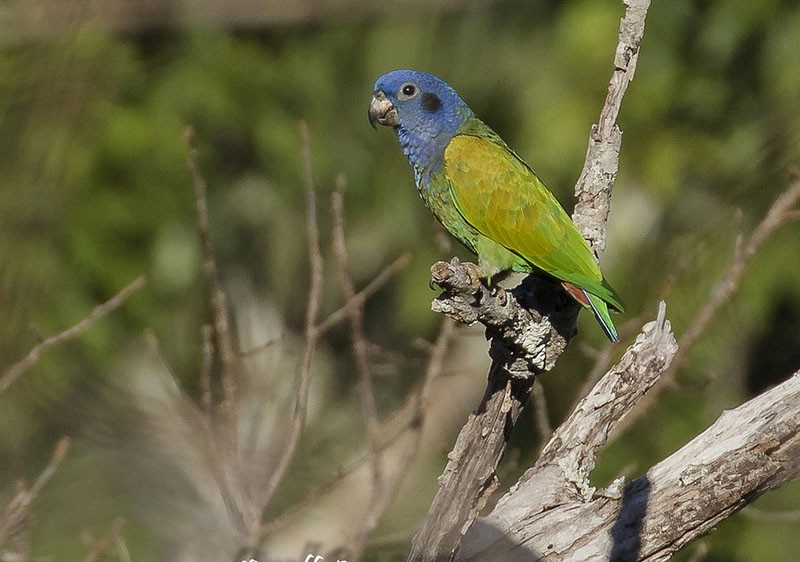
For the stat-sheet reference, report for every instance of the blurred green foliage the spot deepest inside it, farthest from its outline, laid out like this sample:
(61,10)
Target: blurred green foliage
(95,191)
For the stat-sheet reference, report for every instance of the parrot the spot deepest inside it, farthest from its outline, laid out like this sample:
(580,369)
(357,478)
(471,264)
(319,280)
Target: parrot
(484,194)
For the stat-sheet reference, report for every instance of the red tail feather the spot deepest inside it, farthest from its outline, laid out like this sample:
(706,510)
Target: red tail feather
(576,293)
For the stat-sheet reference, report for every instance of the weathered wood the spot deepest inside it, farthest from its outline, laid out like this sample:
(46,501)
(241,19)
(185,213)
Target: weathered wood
(529,327)
(529,331)
(470,469)
(550,516)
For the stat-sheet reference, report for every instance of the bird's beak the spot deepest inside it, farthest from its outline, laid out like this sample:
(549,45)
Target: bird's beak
(381,111)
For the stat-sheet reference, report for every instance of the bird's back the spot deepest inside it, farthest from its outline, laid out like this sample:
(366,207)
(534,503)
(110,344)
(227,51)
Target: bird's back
(503,200)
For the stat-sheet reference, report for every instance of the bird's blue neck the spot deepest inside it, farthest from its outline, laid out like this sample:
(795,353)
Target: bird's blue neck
(424,144)
(425,152)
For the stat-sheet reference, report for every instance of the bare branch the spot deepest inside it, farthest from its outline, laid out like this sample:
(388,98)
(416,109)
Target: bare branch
(101,310)
(225,447)
(222,332)
(206,400)
(726,287)
(532,320)
(469,478)
(435,367)
(571,452)
(59,453)
(311,331)
(593,190)
(369,410)
(260,348)
(529,327)
(576,442)
(287,517)
(99,548)
(410,417)
(361,297)
(779,213)
(14,520)
(360,344)
(746,452)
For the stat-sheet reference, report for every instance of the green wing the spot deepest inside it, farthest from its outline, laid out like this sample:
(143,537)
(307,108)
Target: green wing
(504,200)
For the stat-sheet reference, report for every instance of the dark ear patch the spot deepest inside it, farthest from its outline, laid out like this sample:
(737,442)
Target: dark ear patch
(431,102)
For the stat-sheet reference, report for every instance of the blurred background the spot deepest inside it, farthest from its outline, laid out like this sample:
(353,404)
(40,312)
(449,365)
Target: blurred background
(94,191)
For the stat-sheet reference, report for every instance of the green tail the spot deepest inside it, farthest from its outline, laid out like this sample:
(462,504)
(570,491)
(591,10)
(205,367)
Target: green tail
(600,309)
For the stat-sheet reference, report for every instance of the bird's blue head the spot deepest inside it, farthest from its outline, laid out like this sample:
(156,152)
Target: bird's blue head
(424,110)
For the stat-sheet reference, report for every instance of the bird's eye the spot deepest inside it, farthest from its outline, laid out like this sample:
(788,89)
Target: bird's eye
(407,91)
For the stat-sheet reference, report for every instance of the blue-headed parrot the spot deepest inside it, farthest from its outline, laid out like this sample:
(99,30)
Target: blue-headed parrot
(484,194)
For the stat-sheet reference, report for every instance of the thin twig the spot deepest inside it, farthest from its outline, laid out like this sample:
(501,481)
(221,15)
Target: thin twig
(224,444)
(99,549)
(222,331)
(217,457)
(315,493)
(260,348)
(286,517)
(779,213)
(101,310)
(414,409)
(369,409)
(311,497)
(16,512)
(361,297)
(154,348)
(397,538)
(206,400)
(59,453)
(311,331)
(360,344)
(435,367)
(417,404)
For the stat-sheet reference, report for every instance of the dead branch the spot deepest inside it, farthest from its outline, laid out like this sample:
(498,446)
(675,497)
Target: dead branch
(361,296)
(593,190)
(311,332)
(100,548)
(14,520)
(746,452)
(245,506)
(576,442)
(366,393)
(101,310)
(223,338)
(780,212)
(218,420)
(528,329)
(573,448)
(410,417)
(532,321)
